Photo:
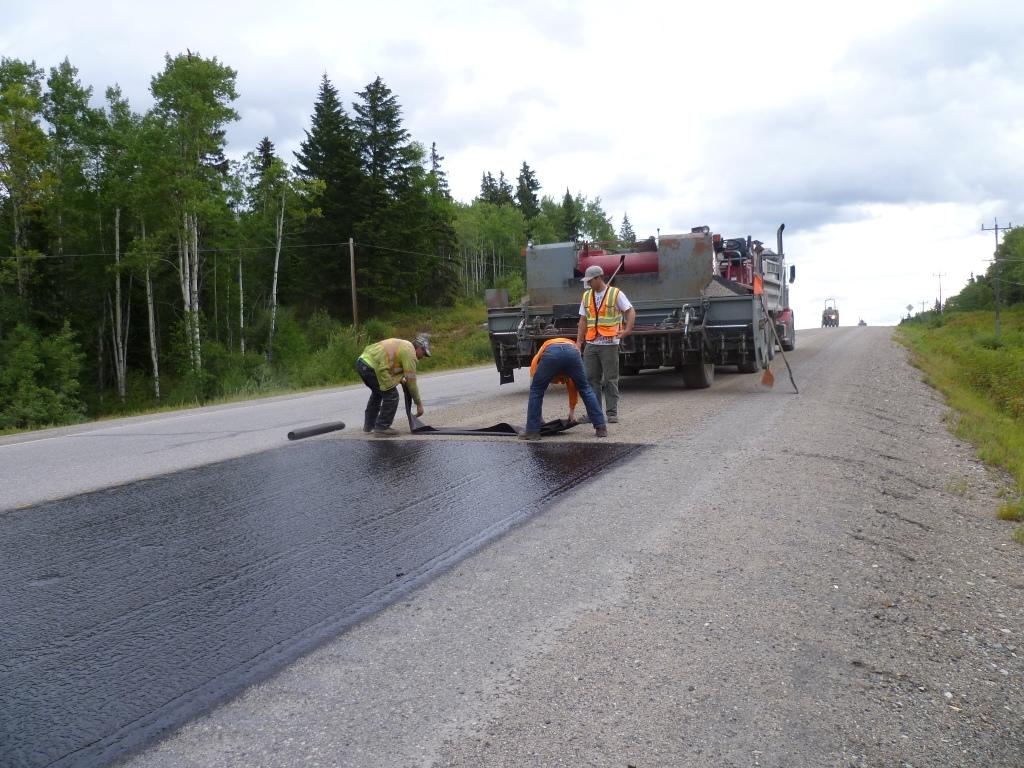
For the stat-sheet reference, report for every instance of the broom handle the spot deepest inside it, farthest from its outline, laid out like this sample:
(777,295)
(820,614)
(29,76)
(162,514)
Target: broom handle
(775,335)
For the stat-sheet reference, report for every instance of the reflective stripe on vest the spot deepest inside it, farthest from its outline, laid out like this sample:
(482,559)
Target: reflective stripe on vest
(391,355)
(608,319)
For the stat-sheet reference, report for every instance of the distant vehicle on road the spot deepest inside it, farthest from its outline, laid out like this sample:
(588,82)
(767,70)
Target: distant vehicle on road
(861,322)
(830,315)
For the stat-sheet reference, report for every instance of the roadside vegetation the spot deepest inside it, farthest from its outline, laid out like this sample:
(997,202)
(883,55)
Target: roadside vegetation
(982,374)
(315,353)
(145,264)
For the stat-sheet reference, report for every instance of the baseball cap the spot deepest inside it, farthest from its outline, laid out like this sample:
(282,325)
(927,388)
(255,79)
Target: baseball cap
(592,271)
(423,342)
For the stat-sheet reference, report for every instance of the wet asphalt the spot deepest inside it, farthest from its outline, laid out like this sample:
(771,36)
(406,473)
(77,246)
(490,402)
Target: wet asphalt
(128,611)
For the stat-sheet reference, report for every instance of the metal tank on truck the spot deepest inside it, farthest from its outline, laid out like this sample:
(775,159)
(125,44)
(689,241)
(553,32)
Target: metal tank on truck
(701,301)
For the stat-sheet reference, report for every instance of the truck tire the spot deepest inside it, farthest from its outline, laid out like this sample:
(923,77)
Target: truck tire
(789,343)
(698,375)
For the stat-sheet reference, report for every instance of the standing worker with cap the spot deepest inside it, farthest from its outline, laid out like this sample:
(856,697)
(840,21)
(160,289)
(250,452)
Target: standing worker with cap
(558,361)
(382,367)
(602,312)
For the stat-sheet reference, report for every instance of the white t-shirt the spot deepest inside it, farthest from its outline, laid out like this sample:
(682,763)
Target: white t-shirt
(622,304)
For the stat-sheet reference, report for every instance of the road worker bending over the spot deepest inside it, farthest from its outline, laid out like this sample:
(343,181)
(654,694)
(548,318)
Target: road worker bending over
(382,367)
(559,361)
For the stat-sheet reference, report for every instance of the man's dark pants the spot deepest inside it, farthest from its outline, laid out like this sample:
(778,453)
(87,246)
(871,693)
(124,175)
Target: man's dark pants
(560,359)
(382,405)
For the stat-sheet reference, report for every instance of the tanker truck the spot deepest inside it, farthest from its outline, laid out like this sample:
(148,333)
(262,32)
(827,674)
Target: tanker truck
(701,301)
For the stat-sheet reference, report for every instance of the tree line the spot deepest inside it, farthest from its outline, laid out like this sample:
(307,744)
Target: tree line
(138,263)
(1005,274)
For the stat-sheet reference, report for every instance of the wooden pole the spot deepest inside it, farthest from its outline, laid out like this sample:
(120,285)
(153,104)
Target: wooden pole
(352,271)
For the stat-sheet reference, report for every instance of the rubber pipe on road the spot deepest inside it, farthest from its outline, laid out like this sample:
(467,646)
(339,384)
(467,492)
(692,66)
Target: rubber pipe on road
(316,429)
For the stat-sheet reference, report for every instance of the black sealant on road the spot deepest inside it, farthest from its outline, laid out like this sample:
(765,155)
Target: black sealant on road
(130,610)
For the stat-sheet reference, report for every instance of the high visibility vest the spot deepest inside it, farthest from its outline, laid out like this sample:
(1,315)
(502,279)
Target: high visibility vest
(605,319)
(391,347)
(394,360)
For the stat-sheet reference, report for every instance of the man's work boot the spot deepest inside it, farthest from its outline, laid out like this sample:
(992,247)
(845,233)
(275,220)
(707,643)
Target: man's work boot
(613,418)
(601,431)
(385,432)
(529,435)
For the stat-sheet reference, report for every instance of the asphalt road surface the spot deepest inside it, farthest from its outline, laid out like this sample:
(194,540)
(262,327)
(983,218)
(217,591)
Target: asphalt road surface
(775,580)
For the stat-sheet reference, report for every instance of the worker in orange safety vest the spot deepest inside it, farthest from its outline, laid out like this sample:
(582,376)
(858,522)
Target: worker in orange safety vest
(558,361)
(606,317)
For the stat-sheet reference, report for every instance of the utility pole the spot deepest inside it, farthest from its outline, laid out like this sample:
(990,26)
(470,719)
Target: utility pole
(352,271)
(922,305)
(995,256)
(939,275)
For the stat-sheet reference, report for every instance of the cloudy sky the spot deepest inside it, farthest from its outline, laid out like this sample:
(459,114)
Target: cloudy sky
(883,133)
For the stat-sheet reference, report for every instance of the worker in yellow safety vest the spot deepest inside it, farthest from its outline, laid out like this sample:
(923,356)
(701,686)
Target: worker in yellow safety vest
(382,367)
(606,317)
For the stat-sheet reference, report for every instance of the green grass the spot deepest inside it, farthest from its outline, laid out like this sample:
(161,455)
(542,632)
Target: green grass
(982,378)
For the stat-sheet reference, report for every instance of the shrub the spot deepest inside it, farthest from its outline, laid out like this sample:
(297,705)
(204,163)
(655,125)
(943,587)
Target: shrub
(39,378)
(334,363)
(374,330)
(320,327)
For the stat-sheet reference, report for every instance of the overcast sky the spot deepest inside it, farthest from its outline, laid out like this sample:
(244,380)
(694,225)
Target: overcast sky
(883,133)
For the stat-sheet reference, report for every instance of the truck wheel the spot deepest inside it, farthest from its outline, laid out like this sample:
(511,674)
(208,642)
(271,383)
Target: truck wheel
(789,343)
(698,375)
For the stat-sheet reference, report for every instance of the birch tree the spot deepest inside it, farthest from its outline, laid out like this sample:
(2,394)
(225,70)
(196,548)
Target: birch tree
(193,97)
(119,191)
(274,195)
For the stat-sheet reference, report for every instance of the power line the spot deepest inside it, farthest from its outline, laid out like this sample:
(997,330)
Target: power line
(246,249)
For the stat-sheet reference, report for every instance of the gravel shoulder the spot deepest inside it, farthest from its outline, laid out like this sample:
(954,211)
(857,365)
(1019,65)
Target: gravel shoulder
(775,580)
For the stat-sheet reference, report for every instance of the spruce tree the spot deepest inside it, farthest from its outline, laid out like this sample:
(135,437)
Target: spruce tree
(505,192)
(526,192)
(396,229)
(329,154)
(266,153)
(383,142)
(488,189)
(438,177)
(572,219)
(626,233)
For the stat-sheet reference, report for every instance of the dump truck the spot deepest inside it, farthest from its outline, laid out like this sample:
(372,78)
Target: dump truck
(830,314)
(701,301)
